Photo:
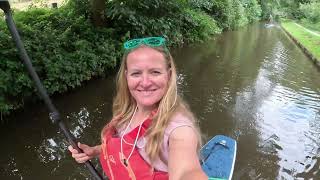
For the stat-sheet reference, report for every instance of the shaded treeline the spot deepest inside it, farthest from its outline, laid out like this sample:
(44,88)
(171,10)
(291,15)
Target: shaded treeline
(304,11)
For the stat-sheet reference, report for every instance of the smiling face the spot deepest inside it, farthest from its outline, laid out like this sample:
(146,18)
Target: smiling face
(147,76)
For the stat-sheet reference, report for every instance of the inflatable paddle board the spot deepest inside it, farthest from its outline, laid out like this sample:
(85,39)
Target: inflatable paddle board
(218,157)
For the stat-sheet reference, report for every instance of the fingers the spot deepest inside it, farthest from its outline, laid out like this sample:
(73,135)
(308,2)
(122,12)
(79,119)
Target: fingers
(72,150)
(81,146)
(83,160)
(79,157)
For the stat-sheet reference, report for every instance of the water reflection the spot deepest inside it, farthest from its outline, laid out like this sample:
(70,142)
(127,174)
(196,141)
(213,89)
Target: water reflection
(80,121)
(263,91)
(286,113)
(49,150)
(11,169)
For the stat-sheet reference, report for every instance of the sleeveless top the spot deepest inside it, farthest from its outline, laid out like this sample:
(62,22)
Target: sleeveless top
(161,164)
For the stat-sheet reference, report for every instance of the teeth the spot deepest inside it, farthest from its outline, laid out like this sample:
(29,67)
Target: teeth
(146,90)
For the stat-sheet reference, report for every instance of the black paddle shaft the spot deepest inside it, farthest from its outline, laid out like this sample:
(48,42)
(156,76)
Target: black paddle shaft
(54,115)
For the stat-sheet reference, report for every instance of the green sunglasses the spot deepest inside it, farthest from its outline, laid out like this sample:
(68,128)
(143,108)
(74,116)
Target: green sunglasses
(149,41)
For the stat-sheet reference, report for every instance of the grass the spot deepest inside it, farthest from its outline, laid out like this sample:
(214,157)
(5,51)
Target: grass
(307,39)
(311,26)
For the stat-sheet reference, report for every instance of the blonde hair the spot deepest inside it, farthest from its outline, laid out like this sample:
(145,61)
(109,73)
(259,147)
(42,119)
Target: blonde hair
(124,105)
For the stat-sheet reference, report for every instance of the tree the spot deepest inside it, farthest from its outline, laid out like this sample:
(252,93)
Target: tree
(93,9)
(98,12)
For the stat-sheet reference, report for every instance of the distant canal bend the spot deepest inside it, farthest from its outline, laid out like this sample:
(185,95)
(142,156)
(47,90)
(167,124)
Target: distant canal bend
(253,84)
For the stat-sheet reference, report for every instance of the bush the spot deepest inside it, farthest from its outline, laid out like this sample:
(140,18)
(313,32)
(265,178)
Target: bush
(252,10)
(238,15)
(171,19)
(311,11)
(198,26)
(146,18)
(229,14)
(220,10)
(65,51)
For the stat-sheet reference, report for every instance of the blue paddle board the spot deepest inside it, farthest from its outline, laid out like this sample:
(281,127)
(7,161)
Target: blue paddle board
(218,157)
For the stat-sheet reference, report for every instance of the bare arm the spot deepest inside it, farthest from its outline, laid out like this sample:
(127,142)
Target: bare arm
(183,158)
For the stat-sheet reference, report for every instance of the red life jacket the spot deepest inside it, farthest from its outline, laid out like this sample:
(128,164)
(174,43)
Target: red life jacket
(136,167)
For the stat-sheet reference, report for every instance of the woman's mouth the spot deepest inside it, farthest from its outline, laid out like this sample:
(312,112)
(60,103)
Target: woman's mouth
(147,92)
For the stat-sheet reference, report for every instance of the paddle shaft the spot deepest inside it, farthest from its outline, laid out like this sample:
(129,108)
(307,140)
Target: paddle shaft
(54,115)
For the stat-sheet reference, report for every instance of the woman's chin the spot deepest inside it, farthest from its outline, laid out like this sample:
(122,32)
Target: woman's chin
(147,104)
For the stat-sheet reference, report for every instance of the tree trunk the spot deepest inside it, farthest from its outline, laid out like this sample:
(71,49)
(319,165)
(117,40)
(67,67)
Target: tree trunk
(98,8)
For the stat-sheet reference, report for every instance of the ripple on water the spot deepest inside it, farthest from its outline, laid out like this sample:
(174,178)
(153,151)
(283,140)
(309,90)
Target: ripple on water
(287,115)
(11,169)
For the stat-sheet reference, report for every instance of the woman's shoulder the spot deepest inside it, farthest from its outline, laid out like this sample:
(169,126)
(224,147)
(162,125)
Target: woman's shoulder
(179,119)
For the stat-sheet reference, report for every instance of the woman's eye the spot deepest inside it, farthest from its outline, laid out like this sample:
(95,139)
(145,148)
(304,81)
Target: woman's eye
(155,72)
(135,74)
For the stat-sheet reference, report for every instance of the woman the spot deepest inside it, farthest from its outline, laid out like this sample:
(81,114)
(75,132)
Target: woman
(153,134)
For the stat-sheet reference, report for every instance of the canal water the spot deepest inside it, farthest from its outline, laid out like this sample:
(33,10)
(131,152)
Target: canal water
(253,84)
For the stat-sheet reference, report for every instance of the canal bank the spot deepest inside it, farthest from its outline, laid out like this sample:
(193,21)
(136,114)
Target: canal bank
(308,41)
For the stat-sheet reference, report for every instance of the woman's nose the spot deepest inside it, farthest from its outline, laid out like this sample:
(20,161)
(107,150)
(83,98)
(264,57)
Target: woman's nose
(146,82)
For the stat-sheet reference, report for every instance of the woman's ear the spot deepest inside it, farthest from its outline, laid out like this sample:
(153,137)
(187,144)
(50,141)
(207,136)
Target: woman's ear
(169,73)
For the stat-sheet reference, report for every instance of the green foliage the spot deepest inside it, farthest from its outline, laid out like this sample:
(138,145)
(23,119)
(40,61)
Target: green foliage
(220,10)
(286,8)
(171,19)
(310,25)
(311,11)
(65,51)
(78,7)
(238,16)
(291,11)
(198,26)
(147,18)
(252,10)
(266,9)
(229,14)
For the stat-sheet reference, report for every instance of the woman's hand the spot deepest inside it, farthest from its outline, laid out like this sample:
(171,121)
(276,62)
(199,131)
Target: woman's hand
(88,152)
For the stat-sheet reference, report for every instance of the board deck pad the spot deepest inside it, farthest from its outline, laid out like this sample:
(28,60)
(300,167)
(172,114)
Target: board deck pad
(218,157)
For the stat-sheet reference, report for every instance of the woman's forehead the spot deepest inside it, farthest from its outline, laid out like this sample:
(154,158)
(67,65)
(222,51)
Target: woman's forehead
(145,51)
(146,56)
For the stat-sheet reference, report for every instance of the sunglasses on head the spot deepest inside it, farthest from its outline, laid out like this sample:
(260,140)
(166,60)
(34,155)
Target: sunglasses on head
(149,41)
